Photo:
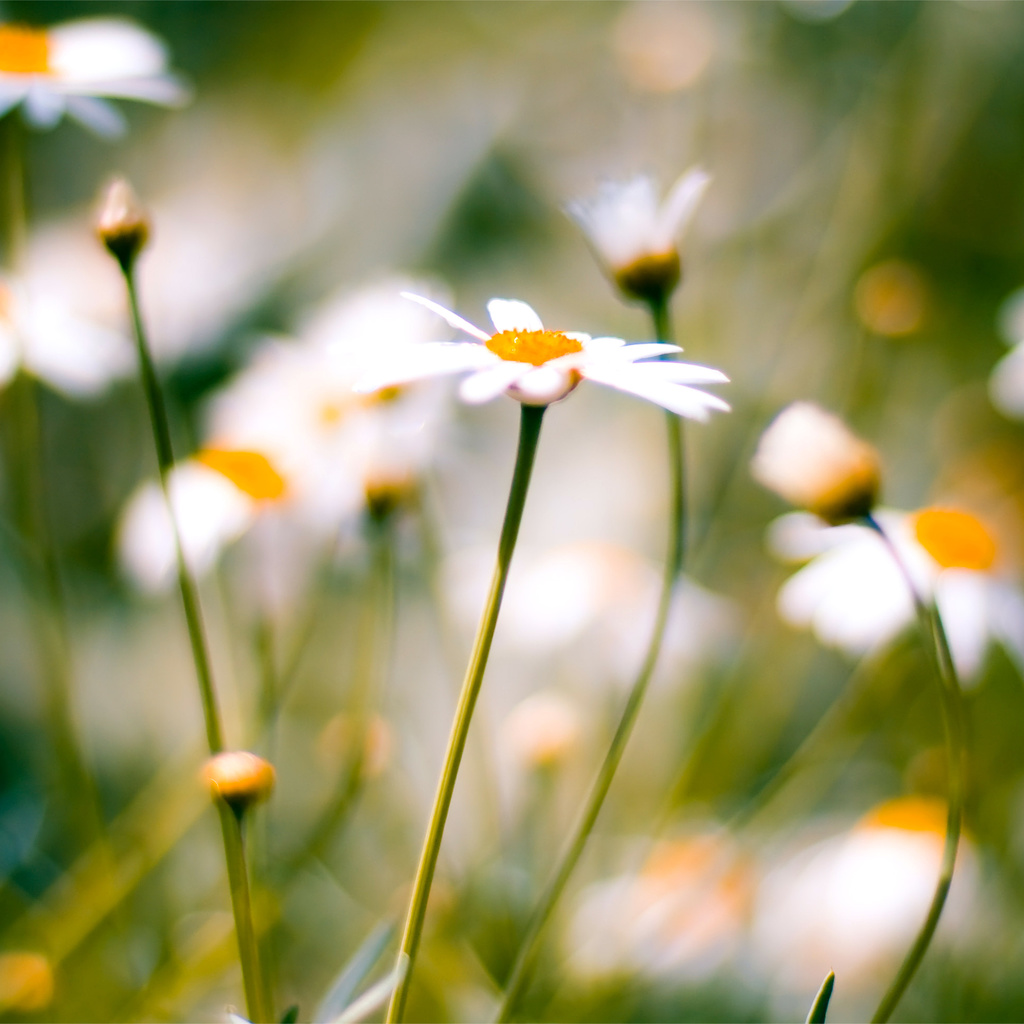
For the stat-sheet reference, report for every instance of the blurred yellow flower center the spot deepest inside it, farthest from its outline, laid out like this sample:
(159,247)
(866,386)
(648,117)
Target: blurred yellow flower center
(956,540)
(537,347)
(24,51)
(248,471)
(910,813)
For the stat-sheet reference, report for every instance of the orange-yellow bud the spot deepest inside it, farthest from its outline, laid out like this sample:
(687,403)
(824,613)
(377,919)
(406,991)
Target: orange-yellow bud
(239,778)
(123,224)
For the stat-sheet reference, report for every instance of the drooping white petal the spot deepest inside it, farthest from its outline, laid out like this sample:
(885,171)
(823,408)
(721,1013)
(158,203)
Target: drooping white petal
(680,204)
(491,382)
(963,602)
(165,89)
(513,315)
(44,107)
(453,319)
(429,359)
(12,92)
(97,115)
(104,49)
(543,385)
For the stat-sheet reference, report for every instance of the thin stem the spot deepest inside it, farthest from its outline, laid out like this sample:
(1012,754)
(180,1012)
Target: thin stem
(257,1000)
(165,460)
(955,730)
(529,433)
(520,973)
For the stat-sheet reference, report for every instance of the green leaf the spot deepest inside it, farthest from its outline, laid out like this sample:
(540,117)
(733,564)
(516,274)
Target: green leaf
(819,1008)
(351,976)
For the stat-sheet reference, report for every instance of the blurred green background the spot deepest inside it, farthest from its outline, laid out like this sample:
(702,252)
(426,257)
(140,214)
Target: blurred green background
(861,236)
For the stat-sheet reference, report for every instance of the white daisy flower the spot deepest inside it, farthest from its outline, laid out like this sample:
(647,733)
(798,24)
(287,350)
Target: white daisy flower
(637,237)
(69,68)
(853,596)
(538,366)
(41,335)
(853,902)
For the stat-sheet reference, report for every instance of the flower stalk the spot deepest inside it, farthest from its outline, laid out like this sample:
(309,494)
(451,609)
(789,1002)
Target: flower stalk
(954,725)
(124,235)
(529,434)
(522,967)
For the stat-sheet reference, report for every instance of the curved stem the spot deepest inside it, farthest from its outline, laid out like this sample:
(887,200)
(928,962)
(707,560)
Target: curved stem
(955,730)
(254,981)
(519,975)
(529,433)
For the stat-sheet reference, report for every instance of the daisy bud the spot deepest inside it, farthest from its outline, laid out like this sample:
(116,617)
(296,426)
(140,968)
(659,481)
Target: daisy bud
(810,458)
(650,278)
(239,778)
(123,224)
(385,494)
(26,983)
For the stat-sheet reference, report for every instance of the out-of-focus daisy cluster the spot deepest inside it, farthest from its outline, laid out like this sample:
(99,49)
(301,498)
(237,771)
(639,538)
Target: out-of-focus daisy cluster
(831,193)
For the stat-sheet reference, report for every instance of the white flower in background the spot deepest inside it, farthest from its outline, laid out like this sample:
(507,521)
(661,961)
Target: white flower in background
(67,69)
(41,335)
(852,595)
(853,903)
(635,236)
(542,730)
(293,454)
(683,915)
(538,366)
(214,497)
(810,458)
(1006,385)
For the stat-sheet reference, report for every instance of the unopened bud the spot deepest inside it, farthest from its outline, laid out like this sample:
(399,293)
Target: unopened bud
(123,225)
(386,493)
(810,458)
(239,778)
(650,278)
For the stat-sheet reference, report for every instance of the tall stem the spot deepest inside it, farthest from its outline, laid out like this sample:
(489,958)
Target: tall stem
(955,729)
(257,1000)
(522,967)
(529,433)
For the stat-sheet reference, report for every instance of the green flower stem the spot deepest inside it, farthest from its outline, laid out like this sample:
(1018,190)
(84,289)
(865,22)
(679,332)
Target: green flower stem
(956,746)
(529,434)
(257,1000)
(522,967)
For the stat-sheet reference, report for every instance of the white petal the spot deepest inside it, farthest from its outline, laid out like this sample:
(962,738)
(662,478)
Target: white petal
(645,350)
(1006,385)
(43,107)
(104,49)
(454,319)
(601,346)
(489,383)
(428,359)
(678,209)
(962,600)
(676,398)
(167,90)
(688,373)
(513,315)
(12,92)
(543,385)
(1007,613)
(96,115)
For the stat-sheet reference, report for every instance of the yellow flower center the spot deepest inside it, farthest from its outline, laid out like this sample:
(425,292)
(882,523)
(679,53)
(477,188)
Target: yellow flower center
(956,540)
(910,813)
(537,347)
(23,50)
(248,471)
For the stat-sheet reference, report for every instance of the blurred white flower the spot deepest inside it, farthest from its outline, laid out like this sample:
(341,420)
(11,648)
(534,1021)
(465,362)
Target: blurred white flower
(68,68)
(810,458)
(683,915)
(854,902)
(210,511)
(537,366)
(542,730)
(637,237)
(853,596)
(292,451)
(40,334)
